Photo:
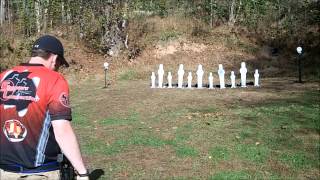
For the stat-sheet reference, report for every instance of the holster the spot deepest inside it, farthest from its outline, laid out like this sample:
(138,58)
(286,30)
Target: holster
(66,169)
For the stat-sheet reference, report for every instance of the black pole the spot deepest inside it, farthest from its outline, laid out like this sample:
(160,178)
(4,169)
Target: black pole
(299,64)
(105,78)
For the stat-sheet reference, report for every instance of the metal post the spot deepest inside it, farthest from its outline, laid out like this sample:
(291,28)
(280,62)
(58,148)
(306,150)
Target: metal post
(300,52)
(299,64)
(106,67)
(105,79)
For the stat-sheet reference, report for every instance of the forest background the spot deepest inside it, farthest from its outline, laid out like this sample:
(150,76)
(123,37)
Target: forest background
(123,28)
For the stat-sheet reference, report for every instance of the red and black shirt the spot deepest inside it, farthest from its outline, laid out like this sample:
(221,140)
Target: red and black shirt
(31,96)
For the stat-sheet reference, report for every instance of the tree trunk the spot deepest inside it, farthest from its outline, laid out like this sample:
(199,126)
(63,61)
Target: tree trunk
(232,15)
(81,21)
(45,15)
(63,17)
(211,13)
(114,38)
(239,10)
(68,13)
(25,20)
(9,12)
(38,17)
(2,12)
(125,23)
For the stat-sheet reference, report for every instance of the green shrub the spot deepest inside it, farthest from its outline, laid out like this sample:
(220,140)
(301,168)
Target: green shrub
(169,35)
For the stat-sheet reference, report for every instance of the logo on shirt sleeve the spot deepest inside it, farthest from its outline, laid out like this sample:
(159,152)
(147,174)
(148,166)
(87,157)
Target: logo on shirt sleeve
(14,130)
(64,99)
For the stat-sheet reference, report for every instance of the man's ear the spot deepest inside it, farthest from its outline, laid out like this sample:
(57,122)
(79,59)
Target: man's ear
(57,62)
(55,58)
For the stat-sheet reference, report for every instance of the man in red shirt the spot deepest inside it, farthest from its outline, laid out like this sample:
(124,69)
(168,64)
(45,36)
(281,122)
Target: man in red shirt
(35,117)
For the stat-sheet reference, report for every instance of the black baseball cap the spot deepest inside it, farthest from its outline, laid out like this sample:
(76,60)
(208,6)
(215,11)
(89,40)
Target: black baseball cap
(52,45)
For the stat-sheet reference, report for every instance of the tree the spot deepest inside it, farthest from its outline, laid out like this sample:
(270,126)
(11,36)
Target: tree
(37,13)
(232,15)
(2,12)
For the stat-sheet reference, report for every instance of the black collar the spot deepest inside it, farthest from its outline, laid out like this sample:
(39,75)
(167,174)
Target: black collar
(29,64)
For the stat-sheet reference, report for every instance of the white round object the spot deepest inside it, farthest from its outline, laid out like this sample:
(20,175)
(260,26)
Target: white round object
(299,50)
(106,65)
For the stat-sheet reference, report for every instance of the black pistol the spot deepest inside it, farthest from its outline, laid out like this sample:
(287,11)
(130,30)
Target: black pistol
(66,169)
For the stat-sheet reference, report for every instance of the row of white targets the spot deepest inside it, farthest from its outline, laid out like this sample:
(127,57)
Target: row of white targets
(200,73)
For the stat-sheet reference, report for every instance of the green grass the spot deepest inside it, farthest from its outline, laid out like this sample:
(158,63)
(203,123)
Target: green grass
(120,145)
(94,146)
(113,121)
(169,116)
(138,138)
(299,160)
(79,119)
(186,151)
(132,118)
(255,153)
(247,132)
(220,153)
(276,139)
(231,175)
(180,178)
(276,123)
(183,134)
(146,140)
(282,140)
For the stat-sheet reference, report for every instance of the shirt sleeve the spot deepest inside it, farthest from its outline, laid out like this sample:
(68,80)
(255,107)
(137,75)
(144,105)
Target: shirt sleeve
(2,75)
(59,106)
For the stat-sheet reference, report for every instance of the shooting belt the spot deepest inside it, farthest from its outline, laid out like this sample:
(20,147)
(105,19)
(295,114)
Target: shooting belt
(20,169)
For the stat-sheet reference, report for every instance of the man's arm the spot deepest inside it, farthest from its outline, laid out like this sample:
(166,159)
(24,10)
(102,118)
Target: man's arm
(68,143)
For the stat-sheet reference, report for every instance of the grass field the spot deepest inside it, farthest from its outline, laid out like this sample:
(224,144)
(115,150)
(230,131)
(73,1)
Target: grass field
(133,132)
